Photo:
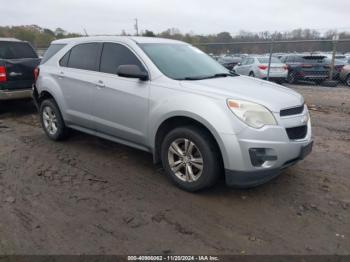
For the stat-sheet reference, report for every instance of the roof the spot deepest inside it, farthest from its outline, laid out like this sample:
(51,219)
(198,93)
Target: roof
(5,39)
(137,39)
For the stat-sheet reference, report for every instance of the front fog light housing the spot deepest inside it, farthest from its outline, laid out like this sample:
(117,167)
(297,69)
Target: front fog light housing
(254,115)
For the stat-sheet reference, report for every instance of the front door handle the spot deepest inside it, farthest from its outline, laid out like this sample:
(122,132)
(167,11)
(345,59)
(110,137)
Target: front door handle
(100,84)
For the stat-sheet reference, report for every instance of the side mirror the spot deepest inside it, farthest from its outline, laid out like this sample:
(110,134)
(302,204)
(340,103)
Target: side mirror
(132,71)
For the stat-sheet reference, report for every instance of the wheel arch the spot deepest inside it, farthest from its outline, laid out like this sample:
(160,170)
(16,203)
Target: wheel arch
(182,120)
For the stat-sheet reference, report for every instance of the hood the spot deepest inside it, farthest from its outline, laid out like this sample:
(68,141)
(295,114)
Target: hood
(274,97)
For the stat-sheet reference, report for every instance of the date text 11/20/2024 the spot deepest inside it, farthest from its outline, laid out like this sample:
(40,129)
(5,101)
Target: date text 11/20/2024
(173,258)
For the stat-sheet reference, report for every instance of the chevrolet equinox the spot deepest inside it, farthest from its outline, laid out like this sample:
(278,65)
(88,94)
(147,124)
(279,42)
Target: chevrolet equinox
(169,98)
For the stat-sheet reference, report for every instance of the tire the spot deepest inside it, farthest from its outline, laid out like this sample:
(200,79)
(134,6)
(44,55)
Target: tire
(291,78)
(347,80)
(52,121)
(251,74)
(319,82)
(200,176)
(330,83)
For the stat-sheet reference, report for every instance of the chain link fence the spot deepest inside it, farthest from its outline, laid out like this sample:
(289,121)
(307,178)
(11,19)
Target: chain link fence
(311,62)
(316,62)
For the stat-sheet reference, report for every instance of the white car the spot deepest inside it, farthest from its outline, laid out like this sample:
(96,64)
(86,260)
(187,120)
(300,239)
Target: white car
(258,67)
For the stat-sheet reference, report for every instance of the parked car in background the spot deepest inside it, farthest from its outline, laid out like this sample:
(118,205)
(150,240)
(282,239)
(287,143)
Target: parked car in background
(338,67)
(345,75)
(169,98)
(229,61)
(258,67)
(340,58)
(306,68)
(18,61)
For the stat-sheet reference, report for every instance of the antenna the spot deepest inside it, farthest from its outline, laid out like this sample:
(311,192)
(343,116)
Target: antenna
(86,33)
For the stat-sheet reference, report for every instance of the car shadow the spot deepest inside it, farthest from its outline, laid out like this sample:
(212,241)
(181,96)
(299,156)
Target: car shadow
(17,108)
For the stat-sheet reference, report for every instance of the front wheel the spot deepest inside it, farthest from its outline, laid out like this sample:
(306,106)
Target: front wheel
(191,158)
(52,121)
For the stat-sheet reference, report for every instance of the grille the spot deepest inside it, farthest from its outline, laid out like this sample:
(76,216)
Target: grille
(297,132)
(292,111)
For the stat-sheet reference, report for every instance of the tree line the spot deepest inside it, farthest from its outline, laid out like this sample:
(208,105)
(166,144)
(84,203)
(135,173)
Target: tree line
(42,37)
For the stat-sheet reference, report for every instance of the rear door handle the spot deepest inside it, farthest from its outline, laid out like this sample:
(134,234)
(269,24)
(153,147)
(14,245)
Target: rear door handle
(100,84)
(61,75)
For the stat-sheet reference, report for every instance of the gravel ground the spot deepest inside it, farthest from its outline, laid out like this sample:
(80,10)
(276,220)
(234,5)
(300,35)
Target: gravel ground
(90,196)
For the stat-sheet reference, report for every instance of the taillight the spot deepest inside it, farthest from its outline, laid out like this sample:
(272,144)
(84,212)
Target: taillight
(3,77)
(263,67)
(339,68)
(285,67)
(36,73)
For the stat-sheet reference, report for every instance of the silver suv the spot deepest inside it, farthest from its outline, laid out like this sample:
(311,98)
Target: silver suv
(170,99)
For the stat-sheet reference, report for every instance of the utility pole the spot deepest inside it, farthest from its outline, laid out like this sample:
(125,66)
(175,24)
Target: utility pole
(270,58)
(335,40)
(137,26)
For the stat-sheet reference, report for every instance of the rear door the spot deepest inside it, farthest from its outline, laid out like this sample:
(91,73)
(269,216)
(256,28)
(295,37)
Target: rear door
(246,68)
(239,68)
(19,60)
(77,78)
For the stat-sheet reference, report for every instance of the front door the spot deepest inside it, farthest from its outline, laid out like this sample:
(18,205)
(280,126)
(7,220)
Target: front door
(120,105)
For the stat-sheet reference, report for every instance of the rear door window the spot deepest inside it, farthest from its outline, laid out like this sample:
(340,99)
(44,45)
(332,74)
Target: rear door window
(291,59)
(53,49)
(84,56)
(16,50)
(114,55)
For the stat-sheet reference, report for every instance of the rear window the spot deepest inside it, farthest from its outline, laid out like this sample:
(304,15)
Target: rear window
(312,59)
(53,49)
(265,60)
(16,50)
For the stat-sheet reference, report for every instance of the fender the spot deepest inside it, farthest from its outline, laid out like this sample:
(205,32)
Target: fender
(204,110)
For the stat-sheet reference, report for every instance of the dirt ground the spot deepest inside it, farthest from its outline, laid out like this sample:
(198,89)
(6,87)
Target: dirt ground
(90,196)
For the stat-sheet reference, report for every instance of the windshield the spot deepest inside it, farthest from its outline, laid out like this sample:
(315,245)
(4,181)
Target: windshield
(265,60)
(183,62)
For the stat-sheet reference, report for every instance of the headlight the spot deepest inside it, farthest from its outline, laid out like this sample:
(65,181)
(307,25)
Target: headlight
(252,114)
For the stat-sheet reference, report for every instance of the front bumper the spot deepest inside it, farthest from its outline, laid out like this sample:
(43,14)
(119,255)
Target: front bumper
(247,179)
(16,94)
(255,156)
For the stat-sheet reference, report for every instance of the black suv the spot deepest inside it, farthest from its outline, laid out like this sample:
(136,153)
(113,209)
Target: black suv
(18,61)
(306,68)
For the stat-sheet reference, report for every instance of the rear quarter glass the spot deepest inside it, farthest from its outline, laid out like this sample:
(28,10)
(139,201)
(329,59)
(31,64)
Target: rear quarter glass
(53,49)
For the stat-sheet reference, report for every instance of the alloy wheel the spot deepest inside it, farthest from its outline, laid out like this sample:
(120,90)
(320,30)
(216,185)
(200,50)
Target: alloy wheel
(185,160)
(50,120)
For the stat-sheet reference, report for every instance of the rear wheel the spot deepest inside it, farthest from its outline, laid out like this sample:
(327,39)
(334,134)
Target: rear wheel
(191,158)
(292,79)
(251,74)
(52,121)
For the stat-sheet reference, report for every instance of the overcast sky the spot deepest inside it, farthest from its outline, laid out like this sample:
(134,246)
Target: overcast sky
(198,16)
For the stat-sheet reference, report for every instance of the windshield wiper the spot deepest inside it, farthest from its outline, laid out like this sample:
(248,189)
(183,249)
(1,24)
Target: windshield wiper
(223,75)
(209,77)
